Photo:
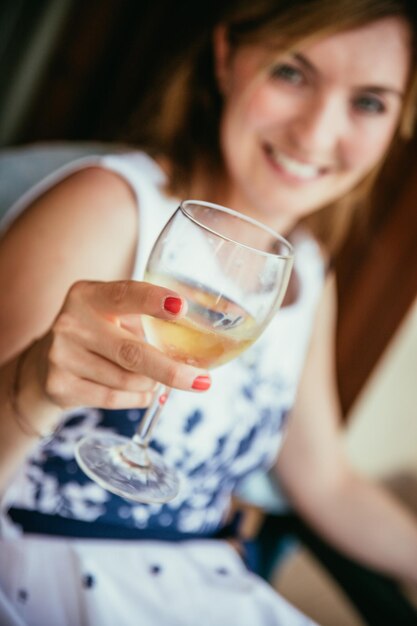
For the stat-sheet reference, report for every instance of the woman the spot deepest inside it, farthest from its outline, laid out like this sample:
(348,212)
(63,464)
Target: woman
(285,115)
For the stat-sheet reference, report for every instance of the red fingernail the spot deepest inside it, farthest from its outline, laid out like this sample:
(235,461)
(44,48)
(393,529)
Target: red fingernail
(162,399)
(201,383)
(173,305)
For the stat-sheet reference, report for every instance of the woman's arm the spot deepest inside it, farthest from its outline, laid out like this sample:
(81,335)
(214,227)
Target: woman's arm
(82,228)
(71,232)
(351,512)
(64,270)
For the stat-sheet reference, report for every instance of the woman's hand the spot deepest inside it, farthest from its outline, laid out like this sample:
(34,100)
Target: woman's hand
(95,354)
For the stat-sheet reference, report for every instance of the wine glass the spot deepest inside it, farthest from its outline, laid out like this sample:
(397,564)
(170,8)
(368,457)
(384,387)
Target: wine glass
(233,273)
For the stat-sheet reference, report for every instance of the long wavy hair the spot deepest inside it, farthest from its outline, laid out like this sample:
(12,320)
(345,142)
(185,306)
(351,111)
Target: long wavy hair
(180,117)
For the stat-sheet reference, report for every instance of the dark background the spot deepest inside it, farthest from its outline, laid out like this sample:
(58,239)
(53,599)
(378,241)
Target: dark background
(77,71)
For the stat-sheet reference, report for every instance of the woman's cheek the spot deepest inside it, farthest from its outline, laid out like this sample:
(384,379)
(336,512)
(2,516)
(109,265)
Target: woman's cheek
(371,145)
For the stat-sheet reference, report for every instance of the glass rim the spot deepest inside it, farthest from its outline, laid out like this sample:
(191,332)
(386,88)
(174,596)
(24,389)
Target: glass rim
(251,220)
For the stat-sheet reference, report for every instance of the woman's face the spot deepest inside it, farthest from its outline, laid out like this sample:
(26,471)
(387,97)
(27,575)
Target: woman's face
(303,132)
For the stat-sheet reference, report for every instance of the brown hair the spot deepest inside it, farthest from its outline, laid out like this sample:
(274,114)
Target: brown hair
(182,116)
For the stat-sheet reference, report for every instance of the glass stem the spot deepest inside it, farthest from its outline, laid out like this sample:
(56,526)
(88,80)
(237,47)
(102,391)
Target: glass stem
(135,452)
(150,419)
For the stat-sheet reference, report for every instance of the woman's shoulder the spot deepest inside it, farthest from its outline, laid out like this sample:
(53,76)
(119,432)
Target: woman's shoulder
(87,216)
(91,199)
(100,191)
(112,177)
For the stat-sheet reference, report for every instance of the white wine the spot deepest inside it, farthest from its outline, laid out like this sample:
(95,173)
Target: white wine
(190,343)
(214,331)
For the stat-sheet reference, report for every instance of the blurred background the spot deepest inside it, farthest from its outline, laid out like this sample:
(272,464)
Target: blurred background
(78,72)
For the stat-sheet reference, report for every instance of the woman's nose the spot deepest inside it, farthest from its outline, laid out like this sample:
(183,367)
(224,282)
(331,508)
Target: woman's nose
(319,126)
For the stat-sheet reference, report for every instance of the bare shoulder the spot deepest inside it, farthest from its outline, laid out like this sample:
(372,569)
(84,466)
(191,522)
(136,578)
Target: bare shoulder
(89,194)
(83,228)
(93,204)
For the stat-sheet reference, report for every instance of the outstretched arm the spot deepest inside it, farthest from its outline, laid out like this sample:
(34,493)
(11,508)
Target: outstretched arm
(70,316)
(349,511)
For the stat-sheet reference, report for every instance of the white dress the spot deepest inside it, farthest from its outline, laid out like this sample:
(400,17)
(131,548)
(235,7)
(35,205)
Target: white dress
(216,440)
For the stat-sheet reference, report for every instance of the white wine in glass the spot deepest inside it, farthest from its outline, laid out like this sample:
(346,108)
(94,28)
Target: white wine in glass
(233,273)
(212,333)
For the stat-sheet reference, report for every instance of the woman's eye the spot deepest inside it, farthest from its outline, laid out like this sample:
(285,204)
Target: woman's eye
(288,73)
(369,104)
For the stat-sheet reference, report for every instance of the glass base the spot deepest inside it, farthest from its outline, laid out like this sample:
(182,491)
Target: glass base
(100,457)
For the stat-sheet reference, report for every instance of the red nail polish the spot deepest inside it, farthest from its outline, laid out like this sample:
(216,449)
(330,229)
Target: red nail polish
(201,383)
(173,305)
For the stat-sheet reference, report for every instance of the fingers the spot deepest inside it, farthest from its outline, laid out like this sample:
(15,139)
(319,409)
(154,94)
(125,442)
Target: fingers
(128,297)
(136,356)
(68,391)
(92,367)
(93,348)
(97,355)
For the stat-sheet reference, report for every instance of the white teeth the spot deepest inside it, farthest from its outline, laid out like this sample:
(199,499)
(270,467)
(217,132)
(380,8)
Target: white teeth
(301,170)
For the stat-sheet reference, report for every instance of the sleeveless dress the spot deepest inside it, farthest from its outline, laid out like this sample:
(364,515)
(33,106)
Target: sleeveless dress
(215,440)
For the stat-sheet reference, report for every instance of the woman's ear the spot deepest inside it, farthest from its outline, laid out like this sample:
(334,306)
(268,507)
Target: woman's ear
(221,49)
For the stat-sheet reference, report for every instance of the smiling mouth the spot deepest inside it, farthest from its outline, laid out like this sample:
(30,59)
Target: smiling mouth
(295,168)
